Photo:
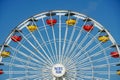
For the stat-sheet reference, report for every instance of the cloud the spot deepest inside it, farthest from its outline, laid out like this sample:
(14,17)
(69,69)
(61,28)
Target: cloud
(92,6)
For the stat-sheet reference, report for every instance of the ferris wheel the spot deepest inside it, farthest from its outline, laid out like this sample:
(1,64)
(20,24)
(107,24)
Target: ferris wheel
(59,45)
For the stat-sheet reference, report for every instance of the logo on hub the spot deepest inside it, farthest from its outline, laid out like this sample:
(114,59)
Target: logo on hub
(58,70)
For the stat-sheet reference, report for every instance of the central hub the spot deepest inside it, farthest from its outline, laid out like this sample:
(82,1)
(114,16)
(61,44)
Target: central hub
(58,70)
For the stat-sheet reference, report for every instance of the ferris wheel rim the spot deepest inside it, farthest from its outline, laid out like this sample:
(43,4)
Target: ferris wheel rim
(58,11)
(42,15)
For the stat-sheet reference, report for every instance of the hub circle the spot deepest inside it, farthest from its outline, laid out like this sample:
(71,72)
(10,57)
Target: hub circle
(58,70)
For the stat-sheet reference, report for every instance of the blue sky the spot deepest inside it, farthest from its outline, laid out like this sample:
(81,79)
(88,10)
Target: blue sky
(13,12)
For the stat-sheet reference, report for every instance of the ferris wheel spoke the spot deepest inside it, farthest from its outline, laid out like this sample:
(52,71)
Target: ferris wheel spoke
(20,66)
(74,55)
(91,63)
(43,77)
(84,39)
(60,40)
(78,55)
(22,72)
(46,46)
(32,45)
(88,63)
(49,61)
(90,77)
(97,60)
(89,51)
(70,77)
(24,61)
(54,53)
(31,52)
(71,37)
(97,72)
(101,59)
(98,66)
(24,77)
(65,38)
(54,38)
(77,38)
(38,78)
(91,41)
(24,54)
(94,47)
(95,54)
(64,44)
(72,67)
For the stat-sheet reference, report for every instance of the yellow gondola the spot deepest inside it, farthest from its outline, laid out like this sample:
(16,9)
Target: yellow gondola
(32,28)
(5,54)
(103,38)
(118,72)
(71,22)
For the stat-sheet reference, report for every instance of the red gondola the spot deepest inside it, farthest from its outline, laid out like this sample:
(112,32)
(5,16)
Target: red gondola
(115,54)
(88,27)
(51,22)
(16,38)
(1,71)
